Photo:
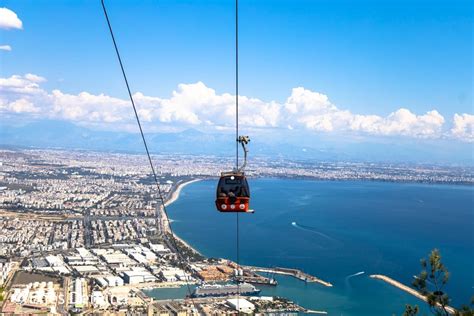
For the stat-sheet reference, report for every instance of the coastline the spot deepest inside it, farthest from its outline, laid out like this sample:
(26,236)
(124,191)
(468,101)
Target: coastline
(177,191)
(163,218)
(191,197)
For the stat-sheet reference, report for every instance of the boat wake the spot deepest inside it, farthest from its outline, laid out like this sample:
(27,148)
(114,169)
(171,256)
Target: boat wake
(355,274)
(347,278)
(302,200)
(313,230)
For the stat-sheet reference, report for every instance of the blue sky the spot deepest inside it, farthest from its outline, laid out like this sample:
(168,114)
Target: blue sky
(369,58)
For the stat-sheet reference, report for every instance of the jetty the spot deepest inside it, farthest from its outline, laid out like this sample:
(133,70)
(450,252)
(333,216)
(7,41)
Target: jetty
(291,272)
(407,289)
(255,279)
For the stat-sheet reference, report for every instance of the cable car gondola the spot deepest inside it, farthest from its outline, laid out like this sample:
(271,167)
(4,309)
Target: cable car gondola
(233,193)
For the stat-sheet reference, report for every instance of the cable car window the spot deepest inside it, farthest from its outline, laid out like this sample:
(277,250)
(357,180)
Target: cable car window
(233,187)
(233,181)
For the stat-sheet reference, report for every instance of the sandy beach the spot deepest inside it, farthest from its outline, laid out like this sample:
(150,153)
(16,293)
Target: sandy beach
(165,222)
(175,195)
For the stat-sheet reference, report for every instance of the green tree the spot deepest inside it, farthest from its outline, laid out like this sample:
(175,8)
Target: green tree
(431,283)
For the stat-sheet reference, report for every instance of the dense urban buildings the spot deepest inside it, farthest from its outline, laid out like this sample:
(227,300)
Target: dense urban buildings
(85,231)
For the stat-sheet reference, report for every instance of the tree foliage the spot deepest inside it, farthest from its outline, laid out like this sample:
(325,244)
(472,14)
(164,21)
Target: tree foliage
(431,283)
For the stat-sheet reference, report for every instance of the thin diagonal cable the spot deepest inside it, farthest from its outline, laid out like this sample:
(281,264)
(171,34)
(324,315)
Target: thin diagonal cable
(160,194)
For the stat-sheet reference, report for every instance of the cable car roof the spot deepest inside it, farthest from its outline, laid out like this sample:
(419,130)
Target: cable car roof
(233,173)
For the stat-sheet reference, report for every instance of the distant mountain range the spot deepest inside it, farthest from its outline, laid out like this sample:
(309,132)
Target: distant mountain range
(49,134)
(287,144)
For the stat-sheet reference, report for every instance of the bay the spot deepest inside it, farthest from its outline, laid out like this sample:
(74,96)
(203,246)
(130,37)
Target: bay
(335,229)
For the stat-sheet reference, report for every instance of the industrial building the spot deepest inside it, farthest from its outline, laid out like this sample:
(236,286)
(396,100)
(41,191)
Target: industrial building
(241,305)
(78,298)
(137,275)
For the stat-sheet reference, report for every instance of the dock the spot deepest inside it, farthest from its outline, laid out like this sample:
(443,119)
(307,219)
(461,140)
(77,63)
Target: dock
(291,272)
(407,289)
(256,279)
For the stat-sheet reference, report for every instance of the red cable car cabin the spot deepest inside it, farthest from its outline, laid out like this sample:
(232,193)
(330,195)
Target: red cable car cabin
(233,194)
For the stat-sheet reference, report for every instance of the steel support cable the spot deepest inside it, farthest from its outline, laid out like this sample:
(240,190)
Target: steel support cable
(237,140)
(160,193)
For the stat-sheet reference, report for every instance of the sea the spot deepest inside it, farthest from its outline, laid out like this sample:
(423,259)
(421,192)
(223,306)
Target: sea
(341,232)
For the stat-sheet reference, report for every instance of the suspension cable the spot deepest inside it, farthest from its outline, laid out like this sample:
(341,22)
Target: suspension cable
(160,193)
(237,139)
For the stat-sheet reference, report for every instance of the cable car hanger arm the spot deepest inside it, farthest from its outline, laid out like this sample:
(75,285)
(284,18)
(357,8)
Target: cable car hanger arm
(243,140)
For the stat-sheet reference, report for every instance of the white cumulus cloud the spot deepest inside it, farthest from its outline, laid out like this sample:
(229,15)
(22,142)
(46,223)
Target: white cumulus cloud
(17,85)
(463,127)
(400,122)
(9,20)
(86,107)
(196,105)
(23,106)
(34,78)
(314,111)
(6,48)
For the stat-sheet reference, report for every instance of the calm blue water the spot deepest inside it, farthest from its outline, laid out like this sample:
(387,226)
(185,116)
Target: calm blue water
(336,229)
